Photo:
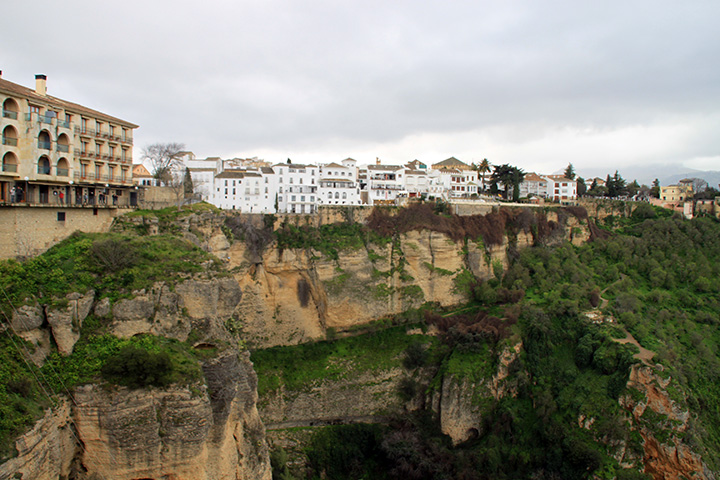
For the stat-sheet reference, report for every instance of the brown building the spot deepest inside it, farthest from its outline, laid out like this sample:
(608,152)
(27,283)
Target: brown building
(58,152)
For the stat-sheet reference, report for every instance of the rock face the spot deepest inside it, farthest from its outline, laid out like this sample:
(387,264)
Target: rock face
(65,323)
(294,295)
(178,433)
(460,401)
(361,397)
(664,461)
(174,312)
(46,452)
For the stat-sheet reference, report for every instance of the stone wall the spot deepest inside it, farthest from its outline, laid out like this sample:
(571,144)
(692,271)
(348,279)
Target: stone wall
(28,231)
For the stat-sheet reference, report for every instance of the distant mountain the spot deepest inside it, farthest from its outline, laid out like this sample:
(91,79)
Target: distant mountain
(712,177)
(645,174)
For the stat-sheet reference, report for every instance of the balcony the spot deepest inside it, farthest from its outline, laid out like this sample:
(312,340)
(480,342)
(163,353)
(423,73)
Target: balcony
(64,123)
(43,169)
(386,187)
(88,132)
(44,145)
(11,142)
(9,167)
(324,184)
(10,114)
(63,148)
(62,172)
(85,177)
(126,139)
(45,119)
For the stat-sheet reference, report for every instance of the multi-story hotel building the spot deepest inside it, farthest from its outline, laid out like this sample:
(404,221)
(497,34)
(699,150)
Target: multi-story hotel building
(57,152)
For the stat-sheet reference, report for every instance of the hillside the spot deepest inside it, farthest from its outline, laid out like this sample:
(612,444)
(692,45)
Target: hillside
(412,344)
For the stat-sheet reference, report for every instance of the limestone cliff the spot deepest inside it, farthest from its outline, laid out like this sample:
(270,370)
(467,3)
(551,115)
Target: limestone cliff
(207,430)
(295,295)
(180,433)
(666,457)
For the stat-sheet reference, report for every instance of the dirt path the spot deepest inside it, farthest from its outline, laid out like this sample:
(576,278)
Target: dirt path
(322,422)
(645,355)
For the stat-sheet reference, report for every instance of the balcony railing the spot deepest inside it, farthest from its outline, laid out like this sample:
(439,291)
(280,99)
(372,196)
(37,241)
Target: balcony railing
(44,145)
(9,167)
(64,123)
(45,119)
(63,148)
(126,139)
(43,169)
(10,114)
(85,131)
(386,187)
(84,176)
(12,142)
(62,172)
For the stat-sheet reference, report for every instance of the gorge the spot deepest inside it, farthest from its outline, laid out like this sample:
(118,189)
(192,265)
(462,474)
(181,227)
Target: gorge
(469,347)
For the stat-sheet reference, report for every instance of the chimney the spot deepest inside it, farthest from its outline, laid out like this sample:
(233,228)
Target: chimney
(377,160)
(41,84)
(0,73)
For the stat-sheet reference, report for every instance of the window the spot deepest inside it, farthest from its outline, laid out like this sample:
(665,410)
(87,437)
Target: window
(111,172)
(83,124)
(111,130)
(302,198)
(111,152)
(61,216)
(292,199)
(34,109)
(301,181)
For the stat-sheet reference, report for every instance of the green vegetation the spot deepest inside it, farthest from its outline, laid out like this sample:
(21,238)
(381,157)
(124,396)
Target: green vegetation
(661,275)
(300,367)
(112,264)
(136,362)
(327,239)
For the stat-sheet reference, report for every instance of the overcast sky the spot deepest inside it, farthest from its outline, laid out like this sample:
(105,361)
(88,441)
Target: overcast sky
(627,85)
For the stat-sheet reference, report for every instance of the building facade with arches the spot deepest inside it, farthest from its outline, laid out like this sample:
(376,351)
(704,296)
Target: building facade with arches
(56,152)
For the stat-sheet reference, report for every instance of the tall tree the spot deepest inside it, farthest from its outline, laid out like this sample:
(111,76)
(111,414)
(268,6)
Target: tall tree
(163,157)
(509,176)
(188,187)
(655,189)
(570,172)
(616,185)
(581,186)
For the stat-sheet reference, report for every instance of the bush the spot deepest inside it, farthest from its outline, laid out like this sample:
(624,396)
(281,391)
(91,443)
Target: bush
(415,356)
(136,367)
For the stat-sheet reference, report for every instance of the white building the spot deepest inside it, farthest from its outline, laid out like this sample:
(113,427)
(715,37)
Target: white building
(561,188)
(459,183)
(424,184)
(384,183)
(534,185)
(297,187)
(555,187)
(338,184)
(248,191)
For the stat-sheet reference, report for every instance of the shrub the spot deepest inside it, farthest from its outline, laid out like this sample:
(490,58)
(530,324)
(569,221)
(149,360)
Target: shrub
(136,367)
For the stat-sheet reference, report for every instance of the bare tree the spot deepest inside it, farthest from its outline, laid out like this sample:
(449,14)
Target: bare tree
(162,158)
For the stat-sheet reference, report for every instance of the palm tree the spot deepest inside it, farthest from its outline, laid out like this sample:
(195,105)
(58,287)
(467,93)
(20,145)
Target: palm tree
(482,169)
